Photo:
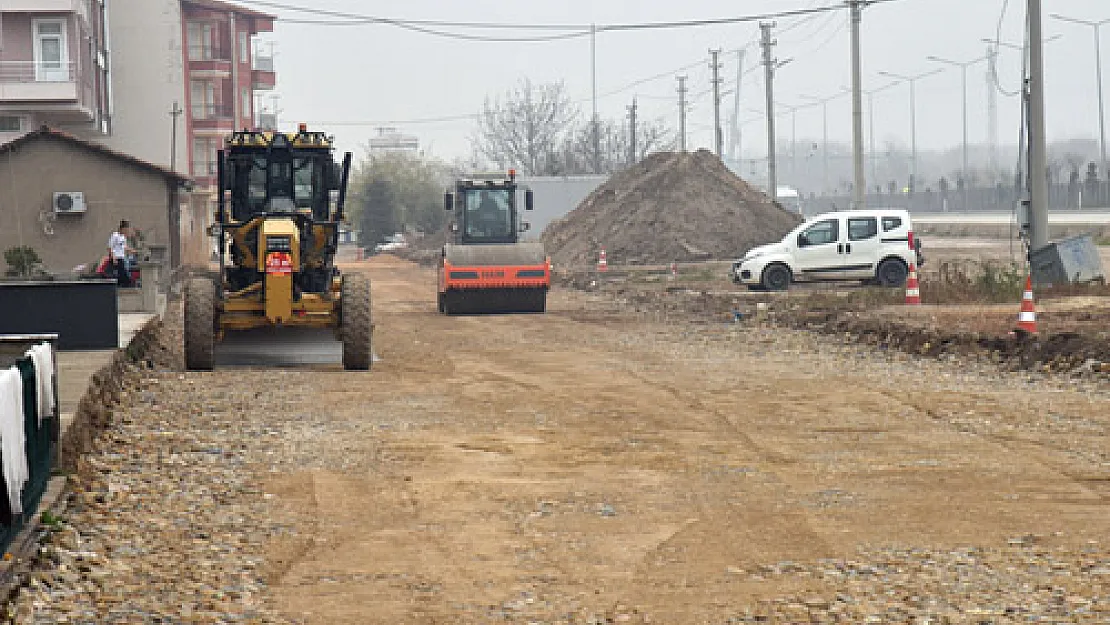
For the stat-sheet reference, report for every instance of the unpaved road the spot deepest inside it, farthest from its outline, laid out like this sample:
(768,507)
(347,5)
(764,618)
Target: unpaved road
(593,465)
(587,462)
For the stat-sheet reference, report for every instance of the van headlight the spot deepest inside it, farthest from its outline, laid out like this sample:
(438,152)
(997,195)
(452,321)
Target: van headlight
(753,256)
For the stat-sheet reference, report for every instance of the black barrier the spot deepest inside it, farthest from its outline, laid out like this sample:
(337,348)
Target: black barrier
(83,313)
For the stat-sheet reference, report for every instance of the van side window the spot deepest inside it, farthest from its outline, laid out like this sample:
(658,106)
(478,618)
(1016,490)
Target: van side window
(890,223)
(821,233)
(862,228)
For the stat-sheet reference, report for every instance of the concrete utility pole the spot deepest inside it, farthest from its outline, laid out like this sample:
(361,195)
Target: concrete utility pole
(715,67)
(175,112)
(633,153)
(734,128)
(1097,26)
(859,183)
(1038,151)
(682,113)
(769,73)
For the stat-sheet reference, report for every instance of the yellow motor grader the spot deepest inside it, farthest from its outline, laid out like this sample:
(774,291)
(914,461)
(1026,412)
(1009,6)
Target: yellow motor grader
(280,205)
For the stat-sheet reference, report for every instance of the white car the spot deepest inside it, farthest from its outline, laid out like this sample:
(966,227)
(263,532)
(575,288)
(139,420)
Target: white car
(876,245)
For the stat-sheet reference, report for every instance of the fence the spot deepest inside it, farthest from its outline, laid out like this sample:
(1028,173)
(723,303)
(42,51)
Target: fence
(41,438)
(1080,196)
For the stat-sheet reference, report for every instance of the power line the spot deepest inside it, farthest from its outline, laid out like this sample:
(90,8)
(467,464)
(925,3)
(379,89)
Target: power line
(574,30)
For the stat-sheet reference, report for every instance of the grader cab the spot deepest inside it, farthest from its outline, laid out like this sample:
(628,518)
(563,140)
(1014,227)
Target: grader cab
(280,204)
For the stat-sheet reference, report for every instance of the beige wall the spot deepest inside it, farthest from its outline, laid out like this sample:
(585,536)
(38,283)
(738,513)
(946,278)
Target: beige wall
(148,75)
(196,245)
(32,172)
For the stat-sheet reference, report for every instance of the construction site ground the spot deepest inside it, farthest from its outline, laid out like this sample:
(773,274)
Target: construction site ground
(606,462)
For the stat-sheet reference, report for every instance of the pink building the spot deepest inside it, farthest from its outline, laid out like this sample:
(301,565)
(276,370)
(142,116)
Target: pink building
(53,66)
(222,74)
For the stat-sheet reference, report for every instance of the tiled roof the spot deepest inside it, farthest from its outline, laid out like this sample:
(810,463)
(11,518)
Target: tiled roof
(95,147)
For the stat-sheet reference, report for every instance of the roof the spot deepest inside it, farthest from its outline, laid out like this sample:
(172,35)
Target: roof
(220,5)
(46,132)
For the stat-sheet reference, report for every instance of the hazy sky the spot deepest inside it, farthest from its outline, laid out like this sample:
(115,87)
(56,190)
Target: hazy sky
(357,77)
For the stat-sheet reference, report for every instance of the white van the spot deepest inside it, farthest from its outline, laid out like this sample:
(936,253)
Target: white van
(874,245)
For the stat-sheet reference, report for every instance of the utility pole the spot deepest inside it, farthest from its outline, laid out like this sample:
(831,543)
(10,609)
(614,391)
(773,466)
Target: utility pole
(769,73)
(633,153)
(859,183)
(992,108)
(1038,152)
(682,113)
(715,67)
(734,131)
(593,79)
(175,112)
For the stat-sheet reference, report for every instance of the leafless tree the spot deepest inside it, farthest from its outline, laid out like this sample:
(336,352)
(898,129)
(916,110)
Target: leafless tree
(614,141)
(526,127)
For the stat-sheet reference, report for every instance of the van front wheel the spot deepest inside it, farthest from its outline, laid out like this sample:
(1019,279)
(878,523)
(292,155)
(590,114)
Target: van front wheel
(891,273)
(776,278)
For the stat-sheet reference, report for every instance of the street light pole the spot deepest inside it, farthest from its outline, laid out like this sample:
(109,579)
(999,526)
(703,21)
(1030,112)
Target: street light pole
(913,114)
(1097,26)
(963,70)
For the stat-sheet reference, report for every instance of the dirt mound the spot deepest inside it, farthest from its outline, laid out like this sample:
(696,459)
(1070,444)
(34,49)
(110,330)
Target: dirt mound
(669,207)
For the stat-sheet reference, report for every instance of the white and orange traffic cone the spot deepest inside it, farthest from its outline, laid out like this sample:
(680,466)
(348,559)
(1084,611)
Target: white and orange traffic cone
(1027,318)
(913,290)
(674,271)
(602,262)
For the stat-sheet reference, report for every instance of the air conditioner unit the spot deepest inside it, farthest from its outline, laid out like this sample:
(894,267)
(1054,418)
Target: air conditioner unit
(69,202)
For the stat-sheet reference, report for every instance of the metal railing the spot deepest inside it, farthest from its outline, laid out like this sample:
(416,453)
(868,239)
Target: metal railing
(31,71)
(212,111)
(204,168)
(263,63)
(209,53)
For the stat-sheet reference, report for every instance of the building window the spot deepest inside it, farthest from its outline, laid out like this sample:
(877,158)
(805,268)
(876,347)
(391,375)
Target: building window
(204,157)
(201,41)
(244,48)
(247,104)
(203,100)
(10,123)
(51,58)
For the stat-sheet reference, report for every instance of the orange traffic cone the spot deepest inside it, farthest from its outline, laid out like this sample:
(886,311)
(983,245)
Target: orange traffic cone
(674,271)
(913,291)
(1027,318)
(602,262)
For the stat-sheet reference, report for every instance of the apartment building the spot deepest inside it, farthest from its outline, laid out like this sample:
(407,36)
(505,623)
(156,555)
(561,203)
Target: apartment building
(223,72)
(53,66)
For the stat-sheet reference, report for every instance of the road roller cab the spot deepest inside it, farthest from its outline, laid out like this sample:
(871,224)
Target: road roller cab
(485,267)
(280,204)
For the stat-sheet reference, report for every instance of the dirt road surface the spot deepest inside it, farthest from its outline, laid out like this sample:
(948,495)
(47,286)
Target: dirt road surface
(593,465)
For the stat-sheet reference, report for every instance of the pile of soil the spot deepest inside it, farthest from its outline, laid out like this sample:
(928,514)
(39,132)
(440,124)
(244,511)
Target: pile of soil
(670,207)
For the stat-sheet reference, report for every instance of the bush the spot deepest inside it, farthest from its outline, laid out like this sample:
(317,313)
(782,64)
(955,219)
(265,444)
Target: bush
(23,262)
(974,282)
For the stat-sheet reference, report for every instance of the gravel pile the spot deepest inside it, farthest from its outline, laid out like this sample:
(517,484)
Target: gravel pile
(670,207)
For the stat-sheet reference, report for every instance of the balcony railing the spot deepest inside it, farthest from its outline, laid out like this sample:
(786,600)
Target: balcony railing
(30,71)
(263,63)
(209,53)
(212,111)
(204,168)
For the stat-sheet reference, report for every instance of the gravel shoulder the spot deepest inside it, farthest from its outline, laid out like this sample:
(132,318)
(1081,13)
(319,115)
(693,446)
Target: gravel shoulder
(591,465)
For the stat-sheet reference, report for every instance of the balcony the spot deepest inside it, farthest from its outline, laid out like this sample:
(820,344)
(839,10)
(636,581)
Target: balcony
(210,59)
(46,88)
(262,74)
(213,117)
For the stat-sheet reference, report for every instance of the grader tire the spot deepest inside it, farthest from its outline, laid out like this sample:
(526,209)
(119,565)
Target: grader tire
(356,326)
(200,324)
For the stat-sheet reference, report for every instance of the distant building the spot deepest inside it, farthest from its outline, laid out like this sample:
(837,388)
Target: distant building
(53,66)
(392,140)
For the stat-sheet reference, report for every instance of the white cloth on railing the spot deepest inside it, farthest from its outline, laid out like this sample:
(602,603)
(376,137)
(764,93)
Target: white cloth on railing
(42,356)
(13,444)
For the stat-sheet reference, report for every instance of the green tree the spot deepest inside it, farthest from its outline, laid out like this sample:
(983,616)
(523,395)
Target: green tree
(377,214)
(416,185)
